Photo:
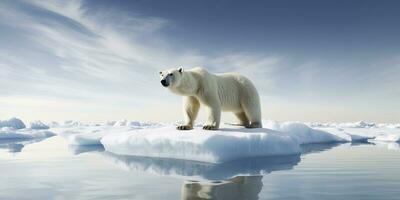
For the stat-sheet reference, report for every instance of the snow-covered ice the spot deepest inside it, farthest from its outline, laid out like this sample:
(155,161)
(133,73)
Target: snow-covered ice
(12,123)
(388,138)
(229,143)
(15,128)
(77,133)
(11,133)
(38,125)
(200,145)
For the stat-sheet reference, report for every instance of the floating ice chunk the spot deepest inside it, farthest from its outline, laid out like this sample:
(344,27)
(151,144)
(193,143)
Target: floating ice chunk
(345,135)
(360,124)
(110,123)
(91,135)
(133,124)
(84,139)
(304,134)
(123,122)
(11,133)
(207,146)
(388,138)
(72,123)
(228,143)
(78,149)
(13,123)
(225,144)
(87,135)
(53,124)
(38,125)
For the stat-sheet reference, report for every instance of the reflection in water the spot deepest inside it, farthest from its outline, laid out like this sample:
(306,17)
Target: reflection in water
(201,170)
(236,180)
(388,145)
(16,145)
(237,188)
(315,148)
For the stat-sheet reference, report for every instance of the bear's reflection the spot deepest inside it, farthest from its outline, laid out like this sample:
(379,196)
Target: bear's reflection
(238,188)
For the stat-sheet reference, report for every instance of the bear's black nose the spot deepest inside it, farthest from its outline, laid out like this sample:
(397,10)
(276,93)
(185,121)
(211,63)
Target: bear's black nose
(164,83)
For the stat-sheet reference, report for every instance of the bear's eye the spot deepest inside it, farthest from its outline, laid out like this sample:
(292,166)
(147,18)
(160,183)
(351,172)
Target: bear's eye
(170,74)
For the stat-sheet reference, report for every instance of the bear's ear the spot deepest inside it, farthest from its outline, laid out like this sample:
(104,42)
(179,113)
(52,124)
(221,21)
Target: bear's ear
(180,69)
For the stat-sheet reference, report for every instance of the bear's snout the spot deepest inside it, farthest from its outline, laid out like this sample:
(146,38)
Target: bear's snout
(164,83)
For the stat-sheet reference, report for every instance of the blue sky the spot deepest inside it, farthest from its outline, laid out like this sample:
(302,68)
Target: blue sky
(98,60)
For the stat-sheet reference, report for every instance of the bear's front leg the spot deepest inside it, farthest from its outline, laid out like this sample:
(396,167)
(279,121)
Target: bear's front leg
(214,117)
(190,110)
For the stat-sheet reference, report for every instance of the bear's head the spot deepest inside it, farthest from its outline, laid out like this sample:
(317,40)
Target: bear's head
(171,78)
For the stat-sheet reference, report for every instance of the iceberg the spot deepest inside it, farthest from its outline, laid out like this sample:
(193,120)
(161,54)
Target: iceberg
(12,123)
(38,125)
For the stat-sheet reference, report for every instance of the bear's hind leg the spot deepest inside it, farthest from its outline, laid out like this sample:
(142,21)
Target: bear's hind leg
(253,114)
(243,121)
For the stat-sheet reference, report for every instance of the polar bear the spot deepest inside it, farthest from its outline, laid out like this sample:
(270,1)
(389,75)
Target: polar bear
(226,92)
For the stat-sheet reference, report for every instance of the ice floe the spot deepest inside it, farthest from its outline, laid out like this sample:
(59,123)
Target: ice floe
(388,138)
(11,133)
(15,128)
(226,144)
(38,125)
(200,145)
(90,134)
(229,143)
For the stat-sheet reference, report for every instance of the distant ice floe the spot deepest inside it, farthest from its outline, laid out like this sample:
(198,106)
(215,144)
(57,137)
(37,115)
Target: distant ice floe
(38,125)
(14,123)
(11,133)
(15,128)
(388,138)
(77,133)
(14,135)
(207,146)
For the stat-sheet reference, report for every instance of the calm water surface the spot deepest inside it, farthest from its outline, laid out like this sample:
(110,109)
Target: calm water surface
(50,169)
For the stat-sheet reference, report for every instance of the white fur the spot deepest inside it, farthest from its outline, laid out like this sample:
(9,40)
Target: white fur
(226,92)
